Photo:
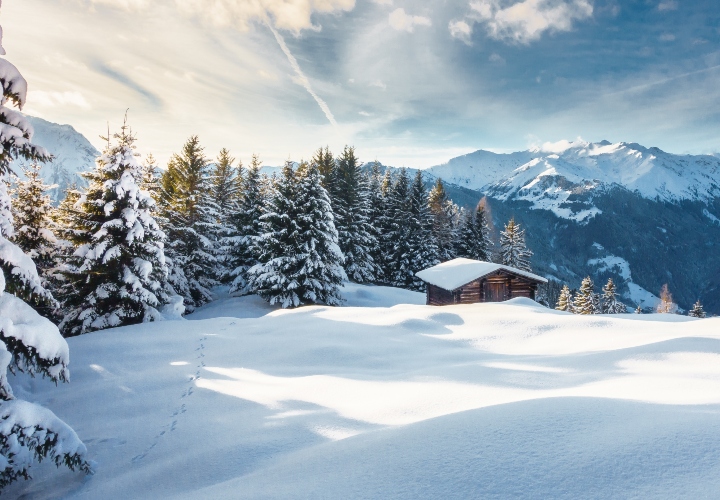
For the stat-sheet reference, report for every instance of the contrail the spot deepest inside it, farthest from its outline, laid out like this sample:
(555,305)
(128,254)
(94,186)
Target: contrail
(301,76)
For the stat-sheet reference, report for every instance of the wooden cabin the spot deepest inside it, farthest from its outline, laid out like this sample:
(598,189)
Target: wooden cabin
(467,281)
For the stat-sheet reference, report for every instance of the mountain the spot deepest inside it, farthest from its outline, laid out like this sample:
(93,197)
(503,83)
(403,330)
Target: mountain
(72,154)
(639,215)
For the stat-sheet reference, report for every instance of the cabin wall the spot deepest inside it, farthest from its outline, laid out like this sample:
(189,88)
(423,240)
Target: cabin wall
(475,291)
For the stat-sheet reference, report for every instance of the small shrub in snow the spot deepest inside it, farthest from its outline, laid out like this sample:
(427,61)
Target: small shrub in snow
(697,311)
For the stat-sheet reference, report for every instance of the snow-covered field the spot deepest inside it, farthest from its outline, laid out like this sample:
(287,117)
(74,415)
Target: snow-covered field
(388,398)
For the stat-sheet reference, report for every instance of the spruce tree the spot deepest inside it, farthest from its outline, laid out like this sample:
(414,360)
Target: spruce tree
(150,177)
(443,213)
(351,207)
(387,228)
(300,261)
(422,248)
(325,162)
(247,227)
(697,311)
(474,236)
(565,302)
(117,274)
(397,235)
(33,224)
(666,305)
(225,188)
(610,303)
(585,300)
(639,310)
(190,218)
(28,342)
(513,251)
(376,214)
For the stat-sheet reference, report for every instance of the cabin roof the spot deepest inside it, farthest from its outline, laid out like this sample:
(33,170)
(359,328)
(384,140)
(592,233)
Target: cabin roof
(455,273)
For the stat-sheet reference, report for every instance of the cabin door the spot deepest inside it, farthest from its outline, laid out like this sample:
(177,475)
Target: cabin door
(495,292)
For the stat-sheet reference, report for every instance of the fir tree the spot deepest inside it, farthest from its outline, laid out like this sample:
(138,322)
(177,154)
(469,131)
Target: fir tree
(638,309)
(585,300)
(474,237)
(443,212)
(225,189)
(28,342)
(397,232)
(352,211)
(422,249)
(325,162)
(513,251)
(565,301)
(300,261)
(32,213)
(376,214)
(150,177)
(697,311)
(243,251)
(387,227)
(610,303)
(190,219)
(118,272)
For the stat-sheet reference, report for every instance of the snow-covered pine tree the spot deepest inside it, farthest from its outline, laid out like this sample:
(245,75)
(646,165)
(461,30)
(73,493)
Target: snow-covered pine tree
(28,342)
(422,249)
(610,302)
(474,235)
(565,302)
(639,310)
(33,224)
(225,189)
(697,311)
(117,275)
(376,212)
(325,162)
(443,212)
(150,177)
(585,302)
(190,222)
(300,260)
(351,206)
(513,251)
(397,235)
(386,228)
(247,227)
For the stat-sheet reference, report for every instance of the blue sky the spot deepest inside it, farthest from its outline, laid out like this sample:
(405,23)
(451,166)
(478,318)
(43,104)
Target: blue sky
(407,83)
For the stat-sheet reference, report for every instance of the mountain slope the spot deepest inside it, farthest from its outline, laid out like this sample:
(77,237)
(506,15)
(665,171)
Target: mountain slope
(72,154)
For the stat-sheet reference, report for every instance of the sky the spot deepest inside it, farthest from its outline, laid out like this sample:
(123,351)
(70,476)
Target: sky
(408,83)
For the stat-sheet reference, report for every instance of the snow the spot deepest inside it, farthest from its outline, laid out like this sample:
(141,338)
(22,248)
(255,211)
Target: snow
(612,263)
(458,272)
(549,176)
(390,400)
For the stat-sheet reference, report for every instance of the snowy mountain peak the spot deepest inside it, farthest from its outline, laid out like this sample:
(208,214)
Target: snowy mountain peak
(72,154)
(554,175)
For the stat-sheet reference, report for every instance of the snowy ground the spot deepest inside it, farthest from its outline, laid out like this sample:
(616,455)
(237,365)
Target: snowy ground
(388,398)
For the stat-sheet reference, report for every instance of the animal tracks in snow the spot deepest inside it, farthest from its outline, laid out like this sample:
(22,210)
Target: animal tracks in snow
(182,408)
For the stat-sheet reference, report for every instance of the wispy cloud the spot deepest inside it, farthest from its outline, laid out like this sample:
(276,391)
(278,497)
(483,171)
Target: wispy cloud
(668,5)
(41,98)
(524,21)
(402,21)
(301,78)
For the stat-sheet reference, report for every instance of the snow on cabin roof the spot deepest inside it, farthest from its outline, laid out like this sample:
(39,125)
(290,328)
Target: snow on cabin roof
(455,273)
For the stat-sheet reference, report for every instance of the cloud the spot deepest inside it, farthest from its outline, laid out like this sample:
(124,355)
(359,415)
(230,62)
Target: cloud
(667,5)
(45,99)
(461,30)
(497,59)
(667,37)
(129,5)
(401,21)
(527,20)
(379,84)
(291,15)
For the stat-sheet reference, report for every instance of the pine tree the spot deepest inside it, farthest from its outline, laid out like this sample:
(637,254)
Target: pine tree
(513,251)
(190,222)
(325,162)
(666,305)
(300,260)
(376,214)
(585,302)
(565,302)
(638,309)
(388,228)
(225,189)
(150,177)
(117,274)
(32,211)
(351,207)
(548,294)
(610,303)
(422,249)
(697,311)
(443,212)
(474,237)
(28,342)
